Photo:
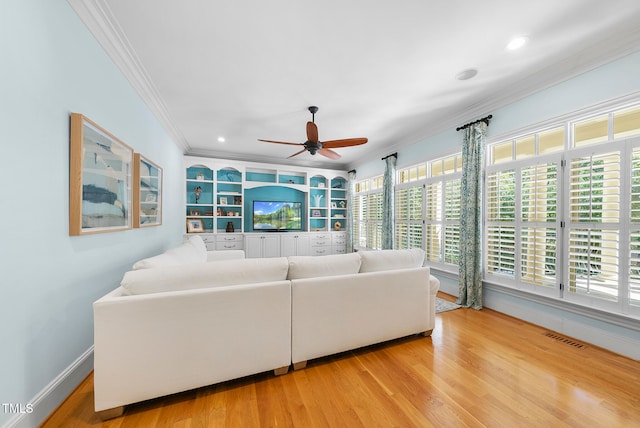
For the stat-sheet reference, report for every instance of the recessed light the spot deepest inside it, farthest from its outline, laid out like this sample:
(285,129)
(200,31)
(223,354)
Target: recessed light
(221,140)
(517,43)
(466,74)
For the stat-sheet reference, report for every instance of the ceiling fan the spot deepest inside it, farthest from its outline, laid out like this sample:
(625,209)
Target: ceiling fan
(313,145)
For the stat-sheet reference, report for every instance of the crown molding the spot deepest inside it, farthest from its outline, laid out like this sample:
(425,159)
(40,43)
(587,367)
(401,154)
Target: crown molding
(97,17)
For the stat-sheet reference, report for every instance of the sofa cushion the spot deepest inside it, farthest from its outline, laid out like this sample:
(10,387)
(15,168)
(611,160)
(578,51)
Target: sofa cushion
(205,275)
(375,261)
(192,250)
(315,266)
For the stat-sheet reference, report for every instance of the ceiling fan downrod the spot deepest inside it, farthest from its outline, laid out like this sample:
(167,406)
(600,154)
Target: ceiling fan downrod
(313,110)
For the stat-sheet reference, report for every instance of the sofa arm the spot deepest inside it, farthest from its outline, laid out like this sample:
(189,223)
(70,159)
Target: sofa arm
(152,345)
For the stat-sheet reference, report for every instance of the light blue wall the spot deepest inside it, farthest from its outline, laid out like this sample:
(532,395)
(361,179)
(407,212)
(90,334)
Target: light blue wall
(52,66)
(609,81)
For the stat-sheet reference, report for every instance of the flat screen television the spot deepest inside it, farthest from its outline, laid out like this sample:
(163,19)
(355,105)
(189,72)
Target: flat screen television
(277,216)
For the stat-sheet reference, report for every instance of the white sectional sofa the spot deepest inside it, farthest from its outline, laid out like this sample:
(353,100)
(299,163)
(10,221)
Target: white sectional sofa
(173,326)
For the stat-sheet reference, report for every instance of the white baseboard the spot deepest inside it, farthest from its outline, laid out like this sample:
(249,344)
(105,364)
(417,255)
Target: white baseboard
(47,400)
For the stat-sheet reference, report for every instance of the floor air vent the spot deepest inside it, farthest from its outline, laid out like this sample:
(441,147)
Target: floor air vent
(565,340)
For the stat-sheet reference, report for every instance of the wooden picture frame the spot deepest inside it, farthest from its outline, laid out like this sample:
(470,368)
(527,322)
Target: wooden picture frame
(100,179)
(195,213)
(195,225)
(147,191)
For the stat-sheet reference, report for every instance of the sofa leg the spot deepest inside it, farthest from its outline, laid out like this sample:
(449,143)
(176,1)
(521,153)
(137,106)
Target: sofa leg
(110,413)
(300,365)
(281,371)
(427,333)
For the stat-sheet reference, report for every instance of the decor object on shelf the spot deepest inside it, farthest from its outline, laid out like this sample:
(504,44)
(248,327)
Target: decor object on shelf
(197,191)
(337,226)
(313,144)
(317,200)
(200,176)
(100,179)
(230,227)
(316,213)
(195,225)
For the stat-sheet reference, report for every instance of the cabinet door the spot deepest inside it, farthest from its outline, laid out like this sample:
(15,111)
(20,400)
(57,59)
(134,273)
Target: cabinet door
(304,246)
(257,246)
(271,246)
(288,245)
(253,246)
(294,245)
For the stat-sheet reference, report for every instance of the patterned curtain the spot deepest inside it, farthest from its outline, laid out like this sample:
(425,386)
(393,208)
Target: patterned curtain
(470,264)
(388,209)
(351,192)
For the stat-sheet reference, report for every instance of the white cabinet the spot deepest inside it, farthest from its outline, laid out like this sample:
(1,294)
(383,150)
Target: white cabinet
(296,244)
(338,242)
(320,244)
(262,245)
(230,241)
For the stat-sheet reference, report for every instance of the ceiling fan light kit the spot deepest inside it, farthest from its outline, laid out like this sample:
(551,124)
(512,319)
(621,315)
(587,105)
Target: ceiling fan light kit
(313,145)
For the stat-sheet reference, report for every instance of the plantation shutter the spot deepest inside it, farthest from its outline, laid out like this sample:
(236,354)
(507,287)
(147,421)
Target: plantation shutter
(408,213)
(593,229)
(433,219)
(539,234)
(500,240)
(634,239)
(452,221)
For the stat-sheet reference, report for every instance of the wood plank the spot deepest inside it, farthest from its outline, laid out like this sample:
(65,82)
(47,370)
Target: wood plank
(478,368)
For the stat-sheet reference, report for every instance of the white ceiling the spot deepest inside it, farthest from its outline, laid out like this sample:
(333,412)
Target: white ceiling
(378,69)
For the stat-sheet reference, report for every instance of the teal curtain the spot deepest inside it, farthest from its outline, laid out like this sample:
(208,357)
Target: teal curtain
(470,264)
(351,192)
(388,209)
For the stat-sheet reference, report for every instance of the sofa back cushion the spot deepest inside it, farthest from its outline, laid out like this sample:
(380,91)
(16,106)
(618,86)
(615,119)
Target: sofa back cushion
(315,266)
(375,261)
(191,251)
(205,275)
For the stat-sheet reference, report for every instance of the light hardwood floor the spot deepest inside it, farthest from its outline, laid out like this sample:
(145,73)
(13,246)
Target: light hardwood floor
(479,369)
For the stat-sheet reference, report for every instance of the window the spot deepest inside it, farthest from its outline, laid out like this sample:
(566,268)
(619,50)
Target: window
(556,211)
(427,209)
(367,214)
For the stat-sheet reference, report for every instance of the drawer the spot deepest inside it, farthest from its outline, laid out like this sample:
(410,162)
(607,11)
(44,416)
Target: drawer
(339,235)
(320,251)
(338,250)
(323,238)
(231,237)
(229,245)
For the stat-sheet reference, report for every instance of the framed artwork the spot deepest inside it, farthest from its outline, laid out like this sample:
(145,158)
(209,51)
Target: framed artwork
(194,212)
(223,200)
(147,192)
(100,179)
(195,225)
(316,213)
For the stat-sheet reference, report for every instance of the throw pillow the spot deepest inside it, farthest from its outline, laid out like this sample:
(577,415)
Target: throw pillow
(375,261)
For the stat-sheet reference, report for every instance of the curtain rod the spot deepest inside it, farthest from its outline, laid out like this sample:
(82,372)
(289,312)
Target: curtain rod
(388,156)
(484,119)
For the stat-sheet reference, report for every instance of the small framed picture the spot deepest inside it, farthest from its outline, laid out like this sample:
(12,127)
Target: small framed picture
(195,225)
(223,200)
(321,185)
(194,212)
(334,205)
(316,213)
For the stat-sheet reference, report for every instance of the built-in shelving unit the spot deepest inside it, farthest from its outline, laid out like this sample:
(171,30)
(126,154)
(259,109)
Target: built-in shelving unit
(338,203)
(219,193)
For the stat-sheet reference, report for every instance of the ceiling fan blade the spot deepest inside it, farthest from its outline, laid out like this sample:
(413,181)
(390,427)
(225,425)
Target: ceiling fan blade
(347,142)
(296,153)
(312,132)
(329,153)
(281,142)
